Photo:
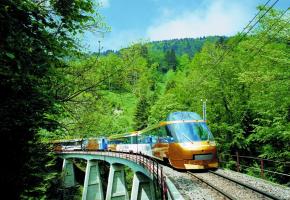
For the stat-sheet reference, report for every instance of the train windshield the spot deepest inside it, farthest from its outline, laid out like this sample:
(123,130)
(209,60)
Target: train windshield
(190,132)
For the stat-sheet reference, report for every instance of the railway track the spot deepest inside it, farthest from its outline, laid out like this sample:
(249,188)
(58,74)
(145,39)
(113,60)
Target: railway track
(230,188)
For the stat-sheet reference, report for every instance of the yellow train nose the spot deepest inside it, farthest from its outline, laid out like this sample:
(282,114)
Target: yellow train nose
(200,155)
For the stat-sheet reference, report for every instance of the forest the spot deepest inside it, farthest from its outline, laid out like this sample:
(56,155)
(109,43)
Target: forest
(53,89)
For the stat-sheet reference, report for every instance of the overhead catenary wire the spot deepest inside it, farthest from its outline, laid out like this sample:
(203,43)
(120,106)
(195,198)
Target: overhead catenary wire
(235,44)
(220,59)
(267,31)
(267,41)
(263,15)
(256,15)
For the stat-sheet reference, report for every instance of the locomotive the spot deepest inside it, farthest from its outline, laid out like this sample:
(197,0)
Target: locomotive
(183,140)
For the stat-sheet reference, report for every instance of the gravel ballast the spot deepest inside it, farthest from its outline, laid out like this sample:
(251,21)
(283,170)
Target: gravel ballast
(280,191)
(191,188)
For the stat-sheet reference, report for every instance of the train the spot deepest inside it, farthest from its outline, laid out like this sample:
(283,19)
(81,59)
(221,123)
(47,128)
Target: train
(184,141)
(81,144)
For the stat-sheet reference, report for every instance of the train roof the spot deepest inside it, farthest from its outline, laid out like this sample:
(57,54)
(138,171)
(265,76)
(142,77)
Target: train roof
(76,139)
(67,140)
(122,135)
(183,115)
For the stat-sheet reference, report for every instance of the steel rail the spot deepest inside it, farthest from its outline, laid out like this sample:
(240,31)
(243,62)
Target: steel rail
(267,194)
(229,196)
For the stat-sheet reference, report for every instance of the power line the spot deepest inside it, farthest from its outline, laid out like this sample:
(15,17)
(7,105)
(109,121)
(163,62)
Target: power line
(220,59)
(243,36)
(256,15)
(259,18)
(267,31)
(258,51)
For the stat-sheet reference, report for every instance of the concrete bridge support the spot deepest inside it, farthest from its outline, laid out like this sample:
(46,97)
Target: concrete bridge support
(116,189)
(93,189)
(68,173)
(143,188)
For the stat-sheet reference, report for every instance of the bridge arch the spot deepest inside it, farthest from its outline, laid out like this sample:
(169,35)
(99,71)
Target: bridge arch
(143,180)
(135,167)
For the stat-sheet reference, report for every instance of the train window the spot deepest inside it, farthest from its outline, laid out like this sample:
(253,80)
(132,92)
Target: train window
(166,139)
(123,140)
(133,139)
(148,139)
(127,140)
(72,144)
(154,139)
(141,139)
(189,132)
(170,139)
(158,134)
(206,131)
(167,131)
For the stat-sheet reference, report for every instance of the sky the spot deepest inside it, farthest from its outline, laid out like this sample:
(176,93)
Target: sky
(133,21)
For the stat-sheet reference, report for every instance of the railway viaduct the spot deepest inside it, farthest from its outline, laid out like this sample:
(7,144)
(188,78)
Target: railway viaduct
(149,181)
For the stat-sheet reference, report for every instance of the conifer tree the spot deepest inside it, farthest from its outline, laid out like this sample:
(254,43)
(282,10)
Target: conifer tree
(171,60)
(141,114)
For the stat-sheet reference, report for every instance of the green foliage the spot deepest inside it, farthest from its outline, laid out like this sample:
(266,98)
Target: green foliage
(36,38)
(247,91)
(141,114)
(54,91)
(171,61)
(46,176)
(188,46)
